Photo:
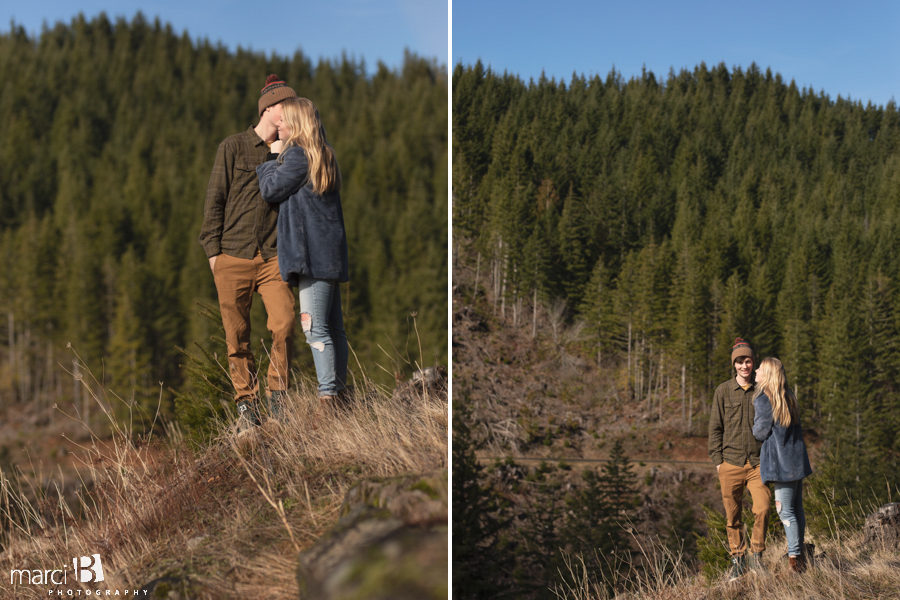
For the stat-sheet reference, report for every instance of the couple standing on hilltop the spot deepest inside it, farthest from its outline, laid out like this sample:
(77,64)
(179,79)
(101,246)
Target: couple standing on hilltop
(755,438)
(278,184)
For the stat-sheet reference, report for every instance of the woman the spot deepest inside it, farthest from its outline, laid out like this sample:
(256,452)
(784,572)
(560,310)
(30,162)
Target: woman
(782,458)
(312,243)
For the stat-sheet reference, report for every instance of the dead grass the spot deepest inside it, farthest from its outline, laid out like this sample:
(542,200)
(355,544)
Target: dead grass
(845,569)
(226,521)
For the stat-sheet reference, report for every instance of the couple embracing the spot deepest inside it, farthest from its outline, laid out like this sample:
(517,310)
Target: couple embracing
(272,221)
(755,439)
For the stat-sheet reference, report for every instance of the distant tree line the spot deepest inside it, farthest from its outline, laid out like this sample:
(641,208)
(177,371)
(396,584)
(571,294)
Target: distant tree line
(674,214)
(110,130)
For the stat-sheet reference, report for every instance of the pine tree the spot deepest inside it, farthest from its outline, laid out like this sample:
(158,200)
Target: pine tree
(574,247)
(129,357)
(478,555)
(618,484)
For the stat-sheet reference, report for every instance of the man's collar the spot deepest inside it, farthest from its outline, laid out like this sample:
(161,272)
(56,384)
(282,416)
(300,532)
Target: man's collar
(251,131)
(738,386)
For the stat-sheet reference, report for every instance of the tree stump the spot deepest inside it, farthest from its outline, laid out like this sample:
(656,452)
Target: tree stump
(882,527)
(425,382)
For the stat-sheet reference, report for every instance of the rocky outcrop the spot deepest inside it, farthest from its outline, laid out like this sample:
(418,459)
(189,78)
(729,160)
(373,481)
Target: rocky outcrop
(882,527)
(389,543)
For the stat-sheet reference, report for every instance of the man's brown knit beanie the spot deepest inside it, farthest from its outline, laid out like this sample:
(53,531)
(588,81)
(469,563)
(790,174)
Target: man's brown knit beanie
(274,92)
(740,348)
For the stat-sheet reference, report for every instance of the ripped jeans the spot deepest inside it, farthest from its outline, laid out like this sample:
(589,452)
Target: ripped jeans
(323,325)
(789,506)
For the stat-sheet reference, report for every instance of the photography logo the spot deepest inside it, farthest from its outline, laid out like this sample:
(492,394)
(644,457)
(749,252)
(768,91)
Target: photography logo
(88,569)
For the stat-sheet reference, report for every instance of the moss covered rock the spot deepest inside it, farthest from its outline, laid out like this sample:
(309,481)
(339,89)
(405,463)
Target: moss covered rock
(390,542)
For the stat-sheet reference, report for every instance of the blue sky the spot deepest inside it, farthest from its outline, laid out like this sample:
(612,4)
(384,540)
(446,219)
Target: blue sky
(851,49)
(371,30)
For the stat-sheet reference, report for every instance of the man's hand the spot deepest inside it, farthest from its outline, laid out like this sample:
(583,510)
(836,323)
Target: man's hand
(212,263)
(276,147)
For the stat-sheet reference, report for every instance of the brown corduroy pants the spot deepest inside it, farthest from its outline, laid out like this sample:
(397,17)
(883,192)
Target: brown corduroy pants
(236,281)
(733,481)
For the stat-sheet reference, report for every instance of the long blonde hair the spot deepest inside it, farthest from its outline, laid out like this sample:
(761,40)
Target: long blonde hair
(771,381)
(308,133)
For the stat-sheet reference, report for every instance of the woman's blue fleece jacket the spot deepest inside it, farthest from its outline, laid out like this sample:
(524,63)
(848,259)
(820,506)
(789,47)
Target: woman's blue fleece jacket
(312,241)
(783,454)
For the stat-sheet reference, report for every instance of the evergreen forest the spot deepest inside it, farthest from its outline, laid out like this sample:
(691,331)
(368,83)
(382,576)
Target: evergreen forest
(668,216)
(110,130)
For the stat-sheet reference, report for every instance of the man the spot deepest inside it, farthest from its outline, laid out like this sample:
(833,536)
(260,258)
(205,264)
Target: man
(735,452)
(238,235)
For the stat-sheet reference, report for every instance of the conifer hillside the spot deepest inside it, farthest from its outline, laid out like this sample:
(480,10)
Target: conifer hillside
(110,131)
(611,239)
(669,216)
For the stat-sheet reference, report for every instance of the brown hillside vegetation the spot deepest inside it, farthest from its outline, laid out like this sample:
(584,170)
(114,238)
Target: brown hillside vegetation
(240,516)
(542,396)
(535,387)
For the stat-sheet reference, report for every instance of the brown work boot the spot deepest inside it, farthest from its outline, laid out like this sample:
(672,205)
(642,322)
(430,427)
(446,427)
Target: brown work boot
(798,565)
(738,568)
(248,414)
(755,562)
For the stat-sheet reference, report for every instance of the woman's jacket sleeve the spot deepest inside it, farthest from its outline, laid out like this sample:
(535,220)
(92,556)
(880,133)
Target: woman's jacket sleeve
(762,422)
(278,181)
